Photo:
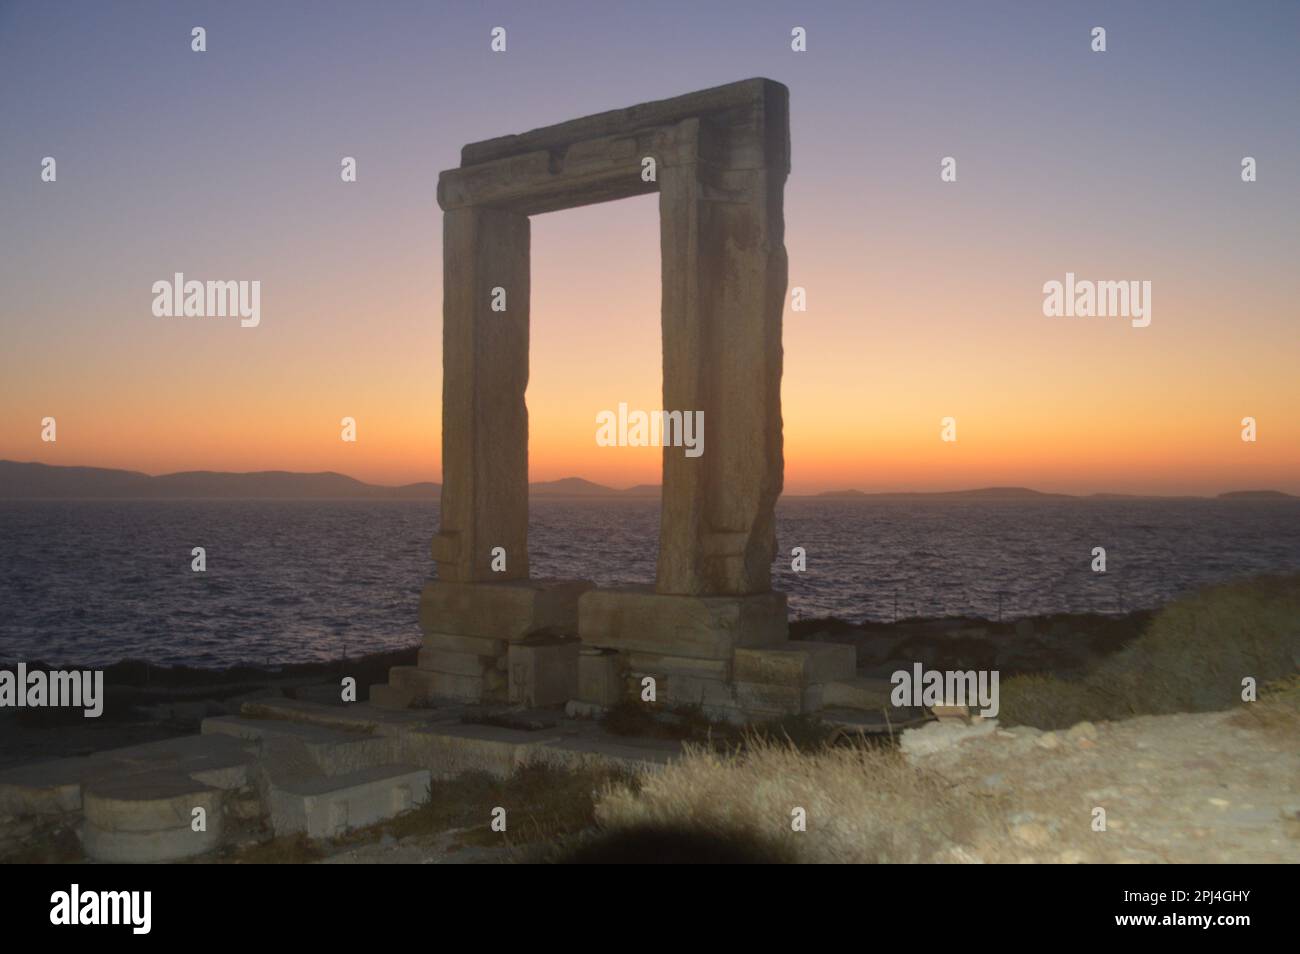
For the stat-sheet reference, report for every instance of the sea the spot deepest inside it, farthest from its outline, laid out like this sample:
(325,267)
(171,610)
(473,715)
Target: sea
(93,582)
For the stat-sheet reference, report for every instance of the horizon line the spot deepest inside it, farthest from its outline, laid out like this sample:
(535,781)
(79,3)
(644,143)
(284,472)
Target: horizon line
(1010,489)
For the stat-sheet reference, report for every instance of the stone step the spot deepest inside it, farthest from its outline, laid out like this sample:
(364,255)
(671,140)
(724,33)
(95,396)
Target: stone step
(217,761)
(333,751)
(150,817)
(860,692)
(326,807)
(55,787)
(355,717)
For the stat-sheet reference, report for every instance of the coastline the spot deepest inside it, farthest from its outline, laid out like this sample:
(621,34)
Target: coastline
(145,702)
(1011,783)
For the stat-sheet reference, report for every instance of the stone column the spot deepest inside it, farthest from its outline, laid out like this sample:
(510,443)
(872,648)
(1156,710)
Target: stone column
(484,418)
(724,280)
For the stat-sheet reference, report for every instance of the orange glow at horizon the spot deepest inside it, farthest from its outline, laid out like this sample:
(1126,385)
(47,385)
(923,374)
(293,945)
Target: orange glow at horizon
(871,369)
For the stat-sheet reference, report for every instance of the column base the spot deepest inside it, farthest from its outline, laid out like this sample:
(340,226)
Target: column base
(512,641)
(639,620)
(507,611)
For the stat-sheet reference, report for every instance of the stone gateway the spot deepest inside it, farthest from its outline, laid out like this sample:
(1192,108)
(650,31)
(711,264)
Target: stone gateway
(710,632)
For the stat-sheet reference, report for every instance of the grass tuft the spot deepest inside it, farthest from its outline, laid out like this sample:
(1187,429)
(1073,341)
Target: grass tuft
(543,803)
(863,805)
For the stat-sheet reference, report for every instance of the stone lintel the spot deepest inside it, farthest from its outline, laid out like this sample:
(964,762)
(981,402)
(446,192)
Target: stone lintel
(756,109)
(738,127)
(597,170)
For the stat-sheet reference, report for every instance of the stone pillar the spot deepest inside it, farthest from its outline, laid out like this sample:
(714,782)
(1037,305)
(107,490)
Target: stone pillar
(484,418)
(724,280)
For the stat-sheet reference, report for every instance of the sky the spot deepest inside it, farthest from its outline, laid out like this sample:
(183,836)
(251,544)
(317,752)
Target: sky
(924,298)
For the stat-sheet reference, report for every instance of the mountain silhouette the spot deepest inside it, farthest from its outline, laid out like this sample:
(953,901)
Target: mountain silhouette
(20,480)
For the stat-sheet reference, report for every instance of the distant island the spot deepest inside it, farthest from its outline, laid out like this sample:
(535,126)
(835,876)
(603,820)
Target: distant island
(47,481)
(33,481)
(994,493)
(1256,495)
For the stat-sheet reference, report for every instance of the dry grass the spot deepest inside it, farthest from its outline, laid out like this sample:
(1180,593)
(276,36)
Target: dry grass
(862,805)
(1192,658)
(690,724)
(1277,712)
(291,850)
(542,803)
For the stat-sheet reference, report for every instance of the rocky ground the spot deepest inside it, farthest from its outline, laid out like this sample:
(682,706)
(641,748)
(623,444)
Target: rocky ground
(1214,787)
(1193,787)
(1221,787)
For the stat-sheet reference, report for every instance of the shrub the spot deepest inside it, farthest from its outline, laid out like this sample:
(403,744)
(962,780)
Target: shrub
(1192,657)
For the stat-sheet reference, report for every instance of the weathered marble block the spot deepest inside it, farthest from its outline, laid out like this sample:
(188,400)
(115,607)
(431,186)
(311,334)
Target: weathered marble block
(637,619)
(502,611)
